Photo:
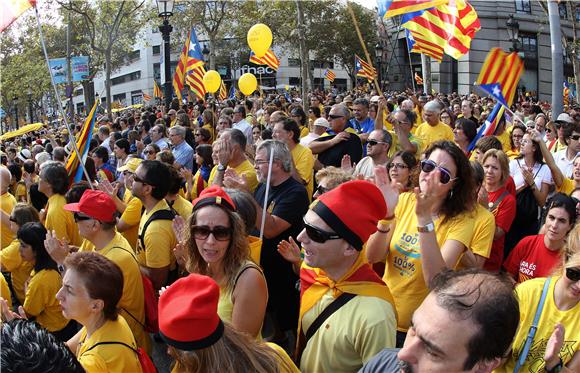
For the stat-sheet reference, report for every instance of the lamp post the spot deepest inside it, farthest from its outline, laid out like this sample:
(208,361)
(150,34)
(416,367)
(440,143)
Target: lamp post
(165,10)
(30,111)
(513,29)
(379,55)
(205,52)
(15,104)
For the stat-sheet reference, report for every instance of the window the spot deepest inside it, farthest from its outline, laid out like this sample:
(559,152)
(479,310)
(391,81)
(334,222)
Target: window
(578,14)
(121,97)
(529,45)
(157,71)
(136,97)
(133,56)
(294,62)
(563,10)
(156,49)
(294,81)
(523,6)
(136,75)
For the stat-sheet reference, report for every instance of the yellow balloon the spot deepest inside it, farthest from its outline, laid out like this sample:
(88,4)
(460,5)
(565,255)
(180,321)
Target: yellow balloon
(212,81)
(259,39)
(248,83)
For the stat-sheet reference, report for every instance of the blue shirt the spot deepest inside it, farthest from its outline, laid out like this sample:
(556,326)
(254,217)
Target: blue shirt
(366,126)
(183,154)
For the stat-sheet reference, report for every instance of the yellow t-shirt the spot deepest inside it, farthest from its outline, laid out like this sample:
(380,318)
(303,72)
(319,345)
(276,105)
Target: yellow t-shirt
(255,244)
(132,217)
(120,252)
(483,231)
(404,271)
(5,290)
(41,302)
(7,203)
(504,138)
(21,194)
(109,357)
(159,240)
(304,131)
(183,207)
(529,294)
(19,269)
(568,185)
(285,364)
(61,221)
(304,163)
(247,169)
(429,134)
(350,337)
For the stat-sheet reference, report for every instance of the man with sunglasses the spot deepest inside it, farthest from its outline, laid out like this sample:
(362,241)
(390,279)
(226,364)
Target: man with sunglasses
(565,157)
(336,276)
(378,145)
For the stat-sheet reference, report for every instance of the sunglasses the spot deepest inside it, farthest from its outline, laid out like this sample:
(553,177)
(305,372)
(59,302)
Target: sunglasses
(573,274)
(575,137)
(220,233)
(139,180)
(330,116)
(398,166)
(78,218)
(318,235)
(12,219)
(197,134)
(373,142)
(321,189)
(428,166)
(148,152)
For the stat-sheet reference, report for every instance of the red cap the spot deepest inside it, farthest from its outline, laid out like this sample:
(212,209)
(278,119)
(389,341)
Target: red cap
(214,195)
(354,225)
(188,318)
(96,204)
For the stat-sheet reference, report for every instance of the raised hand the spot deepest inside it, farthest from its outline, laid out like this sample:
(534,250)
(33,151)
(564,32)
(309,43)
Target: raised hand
(180,228)
(346,163)
(290,250)
(8,314)
(388,188)
(57,249)
(224,152)
(427,198)
(235,181)
(554,345)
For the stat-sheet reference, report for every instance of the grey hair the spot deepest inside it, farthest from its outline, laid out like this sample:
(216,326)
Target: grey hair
(432,106)
(385,136)
(343,109)
(178,130)
(281,152)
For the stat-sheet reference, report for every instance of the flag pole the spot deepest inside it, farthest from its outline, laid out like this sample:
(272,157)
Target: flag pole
(265,208)
(57,97)
(362,43)
(506,109)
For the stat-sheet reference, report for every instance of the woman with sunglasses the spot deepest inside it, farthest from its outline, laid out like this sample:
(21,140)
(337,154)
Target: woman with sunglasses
(150,152)
(428,231)
(202,136)
(403,170)
(518,132)
(551,135)
(556,344)
(217,247)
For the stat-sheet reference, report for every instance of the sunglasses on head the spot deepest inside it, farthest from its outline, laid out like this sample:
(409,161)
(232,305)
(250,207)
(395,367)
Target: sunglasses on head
(78,218)
(318,235)
(220,233)
(573,274)
(374,142)
(428,166)
(330,116)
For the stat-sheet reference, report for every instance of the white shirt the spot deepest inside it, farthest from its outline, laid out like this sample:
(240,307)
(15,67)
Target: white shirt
(246,129)
(564,164)
(541,172)
(308,139)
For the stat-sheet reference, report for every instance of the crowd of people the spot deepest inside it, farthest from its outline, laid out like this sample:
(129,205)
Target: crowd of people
(330,233)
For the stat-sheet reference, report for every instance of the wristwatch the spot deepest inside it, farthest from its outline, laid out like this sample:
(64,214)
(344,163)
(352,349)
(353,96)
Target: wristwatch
(430,227)
(221,167)
(556,369)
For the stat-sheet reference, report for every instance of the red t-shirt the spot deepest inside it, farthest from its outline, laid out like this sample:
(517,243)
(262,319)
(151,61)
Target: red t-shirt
(510,185)
(531,258)
(504,215)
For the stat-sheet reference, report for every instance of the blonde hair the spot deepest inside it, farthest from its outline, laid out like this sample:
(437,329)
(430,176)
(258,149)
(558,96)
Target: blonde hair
(334,175)
(503,162)
(236,254)
(233,352)
(571,252)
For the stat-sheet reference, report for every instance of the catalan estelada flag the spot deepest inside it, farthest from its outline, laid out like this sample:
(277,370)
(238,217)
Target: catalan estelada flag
(500,74)
(566,93)
(330,75)
(451,26)
(418,79)
(190,62)
(157,92)
(75,173)
(419,44)
(363,69)
(233,93)
(12,9)
(390,8)
(146,97)
(223,94)
(490,126)
(269,59)
(195,81)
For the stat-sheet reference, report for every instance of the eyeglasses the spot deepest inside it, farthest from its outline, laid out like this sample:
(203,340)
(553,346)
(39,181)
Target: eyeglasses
(12,219)
(78,217)
(318,235)
(197,134)
(330,116)
(548,130)
(398,166)
(149,152)
(517,136)
(256,161)
(428,166)
(575,137)
(137,179)
(321,190)
(374,142)
(573,274)
(220,233)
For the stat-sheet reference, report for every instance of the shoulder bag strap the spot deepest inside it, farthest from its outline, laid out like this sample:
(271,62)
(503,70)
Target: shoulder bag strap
(533,328)
(327,312)
(498,201)
(244,268)
(111,343)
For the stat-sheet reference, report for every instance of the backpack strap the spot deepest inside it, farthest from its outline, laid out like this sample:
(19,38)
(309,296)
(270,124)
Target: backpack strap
(157,215)
(534,327)
(327,312)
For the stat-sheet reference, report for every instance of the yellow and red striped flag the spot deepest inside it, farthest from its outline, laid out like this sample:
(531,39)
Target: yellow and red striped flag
(500,74)
(418,44)
(195,81)
(269,59)
(566,93)
(157,92)
(75,173)
(12,9)
(418,79)
(223,95)
(451,26)
(363,69)
(390,8)
(189,61)
(330,75)
(146,97)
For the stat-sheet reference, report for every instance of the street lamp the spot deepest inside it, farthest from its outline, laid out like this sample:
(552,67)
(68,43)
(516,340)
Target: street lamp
(165,10)
(205,53)
(15,104)
(379,55)
(30,112)
(513,29)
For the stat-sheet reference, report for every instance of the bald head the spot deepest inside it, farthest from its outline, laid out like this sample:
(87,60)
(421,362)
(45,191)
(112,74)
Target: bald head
(5,177)
(432,106)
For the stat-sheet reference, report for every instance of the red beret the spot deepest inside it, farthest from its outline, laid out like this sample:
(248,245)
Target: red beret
(188,318)
(352,210)
(96,204)
(214,195)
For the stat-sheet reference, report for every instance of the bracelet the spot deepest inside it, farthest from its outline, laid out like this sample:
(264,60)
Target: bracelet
(387,220)
(556,369)
(384,231)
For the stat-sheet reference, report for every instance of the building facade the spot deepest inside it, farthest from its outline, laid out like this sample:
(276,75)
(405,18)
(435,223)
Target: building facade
(459,75)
